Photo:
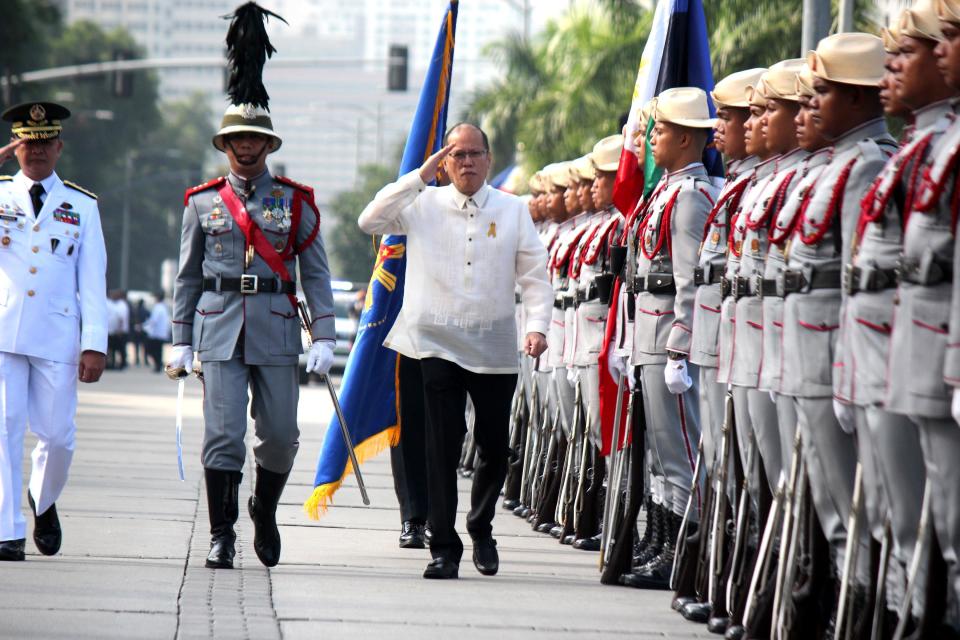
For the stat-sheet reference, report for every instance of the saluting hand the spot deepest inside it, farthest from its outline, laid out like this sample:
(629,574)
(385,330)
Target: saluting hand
(92,364)
(534,344)
(7,152)
(428,172)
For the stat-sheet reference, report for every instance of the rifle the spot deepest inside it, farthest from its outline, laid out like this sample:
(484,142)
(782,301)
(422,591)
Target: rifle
(845,622)
(619,455)
(879,599)
(681,548)
(719,520)
(765,552)
(530,443)
(924,536)
(611,465)
(787,548)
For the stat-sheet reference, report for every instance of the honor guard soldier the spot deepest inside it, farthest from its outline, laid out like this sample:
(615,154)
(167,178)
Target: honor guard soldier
(846,69)
(923,365)
(669,237)
(888,443)
(730,99)
(53,320)
(245,237)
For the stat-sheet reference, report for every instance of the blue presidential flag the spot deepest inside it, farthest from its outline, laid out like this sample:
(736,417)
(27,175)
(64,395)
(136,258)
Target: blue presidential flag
(368,394)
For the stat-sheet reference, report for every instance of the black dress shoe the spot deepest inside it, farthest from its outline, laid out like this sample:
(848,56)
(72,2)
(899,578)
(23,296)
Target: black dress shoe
(736,632)
(485,557)
(46,529)
(12,550)
(697,612)
(680,602)
(441,569)
(718,625)
(412,535)
(546,527)
(521,511)
(588,544)
(223,495)
(557,531)
(510,504)
(570,539)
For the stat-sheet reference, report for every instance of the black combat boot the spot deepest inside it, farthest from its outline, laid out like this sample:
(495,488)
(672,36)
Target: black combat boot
(656,526)
(263,512)
(223,489)
(655,574)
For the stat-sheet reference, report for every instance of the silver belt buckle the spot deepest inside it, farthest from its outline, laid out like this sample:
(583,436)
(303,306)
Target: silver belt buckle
(248,284)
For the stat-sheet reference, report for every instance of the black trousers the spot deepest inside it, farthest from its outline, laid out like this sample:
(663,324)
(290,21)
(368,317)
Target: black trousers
(445,389)
(408,460)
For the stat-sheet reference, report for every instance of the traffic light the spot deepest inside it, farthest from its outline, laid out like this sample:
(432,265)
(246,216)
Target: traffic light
(121,82)
(397,68)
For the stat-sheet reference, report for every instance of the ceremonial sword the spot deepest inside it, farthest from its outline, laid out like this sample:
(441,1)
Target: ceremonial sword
(307,323)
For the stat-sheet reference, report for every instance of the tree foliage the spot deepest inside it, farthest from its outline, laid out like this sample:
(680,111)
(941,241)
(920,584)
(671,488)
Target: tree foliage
(570,85)
(352,252)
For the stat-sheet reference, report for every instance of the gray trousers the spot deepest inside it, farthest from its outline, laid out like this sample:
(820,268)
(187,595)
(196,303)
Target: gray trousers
(831,485)
(274,393)
(673,429)
(766,431)
(787,421)
(566,396)
(940,440)
(893,477)
(712,398)
(746,446)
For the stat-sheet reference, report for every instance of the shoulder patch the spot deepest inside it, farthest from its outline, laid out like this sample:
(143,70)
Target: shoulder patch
(293,183)
(77,187)
(216,182)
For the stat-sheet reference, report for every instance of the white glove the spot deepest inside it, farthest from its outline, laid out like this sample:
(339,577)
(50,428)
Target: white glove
(773,397)
(631,372)
(676,377)
(616,365)
(572,375)
(182,362)
(845,415)
(320,358)
(955,405)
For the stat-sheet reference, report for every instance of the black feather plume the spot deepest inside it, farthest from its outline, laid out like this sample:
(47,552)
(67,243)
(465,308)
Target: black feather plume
(248,48)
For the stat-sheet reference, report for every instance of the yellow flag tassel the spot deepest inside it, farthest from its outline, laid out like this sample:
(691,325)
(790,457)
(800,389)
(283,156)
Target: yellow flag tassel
(322,496)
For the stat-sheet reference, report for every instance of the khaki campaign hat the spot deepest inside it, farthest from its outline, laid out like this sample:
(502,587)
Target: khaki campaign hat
(581,169)
(849,58)
(684,106)
(805,82)
(732,90)
(920,21)
(606,153)
(536,183)
(949,11)
(246,117)
(755,96)
(557,175)
(36,120)
(891,38)
(780,80)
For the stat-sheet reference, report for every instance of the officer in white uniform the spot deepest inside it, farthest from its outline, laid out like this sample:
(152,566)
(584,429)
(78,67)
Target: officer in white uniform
(52,278)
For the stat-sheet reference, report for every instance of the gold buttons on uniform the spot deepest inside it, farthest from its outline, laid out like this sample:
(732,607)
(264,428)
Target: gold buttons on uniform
(36,249)
(33,269)
(31,293)
(6,240)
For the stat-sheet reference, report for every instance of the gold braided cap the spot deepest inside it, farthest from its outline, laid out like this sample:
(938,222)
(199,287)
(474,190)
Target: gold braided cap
(849,58)
(732,90)
(949,10)
(920,21)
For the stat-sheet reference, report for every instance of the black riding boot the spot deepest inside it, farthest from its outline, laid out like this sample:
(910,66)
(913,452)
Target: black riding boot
(263,512)
(223,489)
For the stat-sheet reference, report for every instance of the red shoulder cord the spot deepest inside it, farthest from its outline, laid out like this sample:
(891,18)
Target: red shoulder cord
(730,200)
(936,189)
(872,206)
(779,239)
(776,201)
(576,257)
(640,210)
(820,229)
(663,233)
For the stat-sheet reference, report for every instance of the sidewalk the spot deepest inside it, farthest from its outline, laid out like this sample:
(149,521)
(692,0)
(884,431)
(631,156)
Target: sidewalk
(135,539)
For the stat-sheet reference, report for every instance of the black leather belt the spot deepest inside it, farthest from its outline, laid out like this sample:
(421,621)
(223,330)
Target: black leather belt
(858,279)
(591,293)
(739,287)
(926,275)
(248,284)
(763,287)
(796,282)
(655,283)
(517,297)
(558,302)
(568,302)
(700,276)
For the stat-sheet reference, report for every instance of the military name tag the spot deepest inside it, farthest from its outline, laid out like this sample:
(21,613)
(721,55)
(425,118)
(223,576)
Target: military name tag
(755,245)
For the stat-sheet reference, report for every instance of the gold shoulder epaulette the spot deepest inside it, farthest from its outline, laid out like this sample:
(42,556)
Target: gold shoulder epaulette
(77,187)
(6,178)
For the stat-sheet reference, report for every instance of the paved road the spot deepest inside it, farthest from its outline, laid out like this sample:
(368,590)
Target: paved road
(135,538)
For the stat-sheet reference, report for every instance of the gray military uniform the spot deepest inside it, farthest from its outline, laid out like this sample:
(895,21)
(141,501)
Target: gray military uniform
(248,340)
(811,318)
(668,248)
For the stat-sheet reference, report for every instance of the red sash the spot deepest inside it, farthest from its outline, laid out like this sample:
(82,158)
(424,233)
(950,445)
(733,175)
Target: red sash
(254,236)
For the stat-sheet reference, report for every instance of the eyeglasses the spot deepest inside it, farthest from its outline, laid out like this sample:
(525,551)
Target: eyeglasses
(460,156)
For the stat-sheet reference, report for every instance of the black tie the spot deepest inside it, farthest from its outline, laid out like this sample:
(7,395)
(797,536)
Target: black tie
(36,191)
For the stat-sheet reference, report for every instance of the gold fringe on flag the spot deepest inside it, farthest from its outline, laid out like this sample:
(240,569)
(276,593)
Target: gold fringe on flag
(322,497)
